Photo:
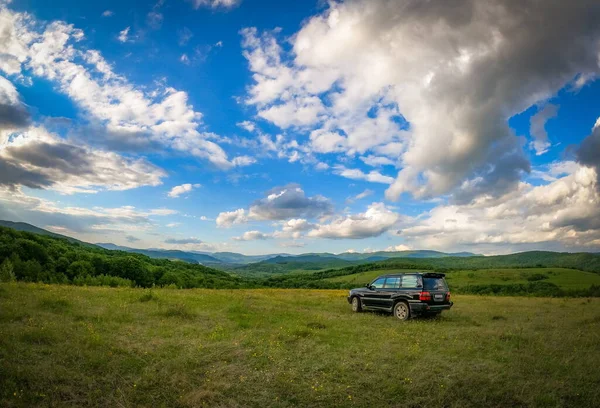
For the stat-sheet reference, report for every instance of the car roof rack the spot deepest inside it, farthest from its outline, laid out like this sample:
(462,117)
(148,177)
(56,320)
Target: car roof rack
(434,275)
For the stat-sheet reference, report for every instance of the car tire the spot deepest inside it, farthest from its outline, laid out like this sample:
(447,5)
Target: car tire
(356,305)
(402,311)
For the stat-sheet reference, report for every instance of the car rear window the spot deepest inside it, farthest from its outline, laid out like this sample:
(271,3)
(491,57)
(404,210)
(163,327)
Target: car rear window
(434,284)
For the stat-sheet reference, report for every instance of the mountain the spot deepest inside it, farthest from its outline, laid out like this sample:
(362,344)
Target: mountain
(235,258)
(190,257)
(23,226)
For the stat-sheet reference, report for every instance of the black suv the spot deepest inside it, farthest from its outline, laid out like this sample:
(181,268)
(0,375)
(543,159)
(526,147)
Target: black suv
(404,294)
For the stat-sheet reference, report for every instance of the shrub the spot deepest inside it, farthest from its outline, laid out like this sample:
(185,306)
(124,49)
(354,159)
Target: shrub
(7,273)
(536,277)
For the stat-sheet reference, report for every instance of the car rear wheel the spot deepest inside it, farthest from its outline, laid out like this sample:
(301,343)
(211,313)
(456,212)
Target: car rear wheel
(356,306)
(402,311)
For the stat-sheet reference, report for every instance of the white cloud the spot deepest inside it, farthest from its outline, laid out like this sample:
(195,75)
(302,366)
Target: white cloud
(249,126)
(229,218)
(18,205)
(537,126)
(397,248)
(216,4)
(182,189)
(377,161)
(355,174)
(124,35)
(124,115)
(564,214)
(375,221)
(366,193)
(37,158)
(293,228)
(287,202)
(252,236)
(405,93)
(242,161)
(108,13)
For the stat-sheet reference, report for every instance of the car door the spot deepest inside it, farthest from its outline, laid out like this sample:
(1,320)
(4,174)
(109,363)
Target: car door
(411,286)
(371,296)
(388,292)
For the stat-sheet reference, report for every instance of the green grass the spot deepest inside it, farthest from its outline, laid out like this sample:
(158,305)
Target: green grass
(96,346)
(562,277)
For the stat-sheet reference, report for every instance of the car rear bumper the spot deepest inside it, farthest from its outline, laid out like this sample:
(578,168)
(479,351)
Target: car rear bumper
(421,307)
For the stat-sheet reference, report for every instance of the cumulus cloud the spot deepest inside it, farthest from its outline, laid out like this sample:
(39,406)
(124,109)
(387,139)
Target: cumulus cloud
(17,205)
(287,202)
(160,116)
(38,159)
(252,236)
(432,87)
(589,151)
(228,218)
(563,214)
(13,114)
(281,203)
(182,189)
(293,228)
(108,13)
(375,221)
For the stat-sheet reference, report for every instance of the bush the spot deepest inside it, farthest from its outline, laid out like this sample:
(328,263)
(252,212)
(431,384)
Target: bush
(536,277)
(7,273)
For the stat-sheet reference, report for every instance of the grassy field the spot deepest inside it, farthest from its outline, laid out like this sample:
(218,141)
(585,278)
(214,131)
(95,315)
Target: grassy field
(84,346)
(562,277)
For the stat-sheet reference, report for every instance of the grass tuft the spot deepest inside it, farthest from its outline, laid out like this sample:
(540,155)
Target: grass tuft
(148,296)
(55,305)
(180,311)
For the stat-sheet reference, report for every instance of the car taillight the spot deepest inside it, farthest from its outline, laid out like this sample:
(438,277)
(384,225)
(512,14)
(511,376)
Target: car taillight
(448,296)
(425,296)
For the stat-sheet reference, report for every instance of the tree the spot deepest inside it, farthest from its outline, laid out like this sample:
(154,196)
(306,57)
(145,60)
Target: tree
(80,268)
(7,273)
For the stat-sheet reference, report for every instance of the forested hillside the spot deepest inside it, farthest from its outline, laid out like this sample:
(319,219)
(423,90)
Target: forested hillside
(32,257)
(536,259)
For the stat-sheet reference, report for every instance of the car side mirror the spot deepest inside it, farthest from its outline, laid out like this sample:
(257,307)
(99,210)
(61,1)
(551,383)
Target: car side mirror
(368,286)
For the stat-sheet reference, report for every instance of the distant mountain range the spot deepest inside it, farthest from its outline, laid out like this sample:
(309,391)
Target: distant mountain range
(231,259)
(22,226)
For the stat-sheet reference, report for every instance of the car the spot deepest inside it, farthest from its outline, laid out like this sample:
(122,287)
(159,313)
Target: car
(405,295)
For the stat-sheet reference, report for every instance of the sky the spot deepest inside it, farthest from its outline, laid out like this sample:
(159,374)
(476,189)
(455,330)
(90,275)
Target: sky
(290,127)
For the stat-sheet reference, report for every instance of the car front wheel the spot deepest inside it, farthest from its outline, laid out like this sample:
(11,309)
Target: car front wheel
(356,306)
(402,311)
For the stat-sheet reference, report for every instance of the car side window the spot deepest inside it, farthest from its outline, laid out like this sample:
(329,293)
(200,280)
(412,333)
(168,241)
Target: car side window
(410,281)
(378,284)
(392,283)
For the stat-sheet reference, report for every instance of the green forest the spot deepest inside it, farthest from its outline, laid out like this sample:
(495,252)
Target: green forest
(32,257)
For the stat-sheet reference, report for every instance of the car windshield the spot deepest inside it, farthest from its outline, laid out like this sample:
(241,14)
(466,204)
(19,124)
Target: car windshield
(434,284)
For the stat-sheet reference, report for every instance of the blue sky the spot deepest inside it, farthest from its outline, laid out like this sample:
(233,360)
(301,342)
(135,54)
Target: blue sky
(266,127)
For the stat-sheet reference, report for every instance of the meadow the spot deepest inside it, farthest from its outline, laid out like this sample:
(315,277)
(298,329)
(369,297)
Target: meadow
(562,277)
(97,346)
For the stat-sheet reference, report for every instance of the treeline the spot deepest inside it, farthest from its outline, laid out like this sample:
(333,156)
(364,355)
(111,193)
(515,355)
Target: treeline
(37,258)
